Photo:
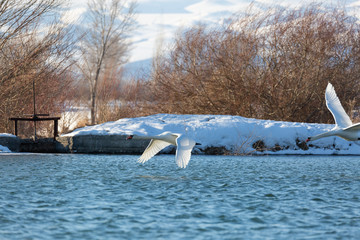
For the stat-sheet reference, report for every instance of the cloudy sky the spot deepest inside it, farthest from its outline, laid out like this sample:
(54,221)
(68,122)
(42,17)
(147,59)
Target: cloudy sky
(160,19)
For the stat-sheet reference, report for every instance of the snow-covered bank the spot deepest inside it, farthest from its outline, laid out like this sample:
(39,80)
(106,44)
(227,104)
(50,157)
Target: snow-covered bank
(4,149)
(236,134)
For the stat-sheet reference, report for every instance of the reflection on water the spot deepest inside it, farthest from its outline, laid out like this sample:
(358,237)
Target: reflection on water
(215,197)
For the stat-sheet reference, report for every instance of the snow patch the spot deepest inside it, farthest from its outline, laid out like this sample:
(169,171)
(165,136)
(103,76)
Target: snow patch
(234,133)
(4,149)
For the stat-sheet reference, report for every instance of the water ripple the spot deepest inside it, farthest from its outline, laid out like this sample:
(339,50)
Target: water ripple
(216,197)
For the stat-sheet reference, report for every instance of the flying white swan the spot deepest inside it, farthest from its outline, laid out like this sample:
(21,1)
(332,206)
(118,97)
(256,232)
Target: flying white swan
(183,151)
(343,125)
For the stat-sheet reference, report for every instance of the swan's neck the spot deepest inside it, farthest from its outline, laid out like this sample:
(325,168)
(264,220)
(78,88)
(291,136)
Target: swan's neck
(143,137)
(170,138)
(322,135)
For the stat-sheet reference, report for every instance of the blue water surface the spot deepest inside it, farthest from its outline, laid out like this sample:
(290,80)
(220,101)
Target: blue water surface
(73,196)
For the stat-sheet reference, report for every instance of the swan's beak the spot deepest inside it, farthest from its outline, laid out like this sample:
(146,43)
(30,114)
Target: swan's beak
(308,139)
(129,137)
(197,143)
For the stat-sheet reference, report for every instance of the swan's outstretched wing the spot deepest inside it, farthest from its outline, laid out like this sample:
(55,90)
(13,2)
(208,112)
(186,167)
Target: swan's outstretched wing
(153,148)
(354,127)
(342,120)
(183,151)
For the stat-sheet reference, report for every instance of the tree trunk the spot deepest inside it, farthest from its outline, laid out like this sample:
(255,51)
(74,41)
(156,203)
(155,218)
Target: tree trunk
(92,108)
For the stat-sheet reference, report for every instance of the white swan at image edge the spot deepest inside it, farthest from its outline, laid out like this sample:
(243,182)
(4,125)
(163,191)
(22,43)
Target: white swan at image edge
(344,128)
(183,151)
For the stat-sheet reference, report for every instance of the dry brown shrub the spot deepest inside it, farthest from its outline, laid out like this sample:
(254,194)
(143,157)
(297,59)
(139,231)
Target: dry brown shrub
(30,52)
(272,65)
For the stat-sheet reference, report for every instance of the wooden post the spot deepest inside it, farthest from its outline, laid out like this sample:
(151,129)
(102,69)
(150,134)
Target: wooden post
(55,128)
(34,130)
(16,128)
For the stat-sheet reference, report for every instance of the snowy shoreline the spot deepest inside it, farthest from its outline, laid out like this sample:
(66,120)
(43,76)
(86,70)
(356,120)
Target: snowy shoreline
(218,134)
(232,134)
(5,149)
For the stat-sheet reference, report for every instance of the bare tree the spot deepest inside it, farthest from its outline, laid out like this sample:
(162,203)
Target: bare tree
(273,65)
(35,46)
(106,42)
(17,18)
